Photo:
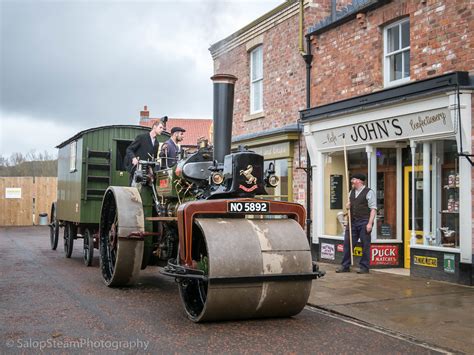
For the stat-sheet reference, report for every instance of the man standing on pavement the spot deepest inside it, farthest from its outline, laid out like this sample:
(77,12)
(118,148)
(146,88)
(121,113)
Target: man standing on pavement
(363,206)
(144,147)
(170,149)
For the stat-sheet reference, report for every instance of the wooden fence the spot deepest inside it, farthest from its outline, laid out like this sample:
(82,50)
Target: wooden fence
(22,199)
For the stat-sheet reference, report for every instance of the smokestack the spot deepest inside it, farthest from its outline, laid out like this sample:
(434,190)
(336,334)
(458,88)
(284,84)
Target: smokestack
(223,110)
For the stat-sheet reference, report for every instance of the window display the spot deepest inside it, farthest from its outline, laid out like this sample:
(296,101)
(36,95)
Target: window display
(386,193)
(449,210)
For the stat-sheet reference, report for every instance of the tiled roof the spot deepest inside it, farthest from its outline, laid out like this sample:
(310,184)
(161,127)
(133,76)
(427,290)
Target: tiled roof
(195,128)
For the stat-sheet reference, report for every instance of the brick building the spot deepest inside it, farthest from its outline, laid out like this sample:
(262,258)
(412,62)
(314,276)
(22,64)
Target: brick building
(395,79)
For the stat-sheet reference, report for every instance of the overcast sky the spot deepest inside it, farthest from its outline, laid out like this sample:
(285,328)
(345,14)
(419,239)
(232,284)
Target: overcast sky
(68,65)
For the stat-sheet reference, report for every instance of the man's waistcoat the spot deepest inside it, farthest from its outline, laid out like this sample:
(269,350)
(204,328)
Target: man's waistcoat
(360,206)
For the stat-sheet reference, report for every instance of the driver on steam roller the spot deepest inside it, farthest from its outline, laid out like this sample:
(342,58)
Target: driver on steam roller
(144,147)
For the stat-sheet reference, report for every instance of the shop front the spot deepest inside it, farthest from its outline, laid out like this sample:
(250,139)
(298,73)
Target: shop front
(407,141)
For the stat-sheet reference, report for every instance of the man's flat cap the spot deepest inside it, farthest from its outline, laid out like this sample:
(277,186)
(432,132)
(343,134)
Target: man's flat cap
(359,176)
(177,129)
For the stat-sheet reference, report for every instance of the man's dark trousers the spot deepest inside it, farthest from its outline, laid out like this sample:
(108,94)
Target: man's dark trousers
(359,231)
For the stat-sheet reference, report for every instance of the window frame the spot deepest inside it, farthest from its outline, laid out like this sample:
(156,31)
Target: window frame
(73,157)
(253,82)
(387,56)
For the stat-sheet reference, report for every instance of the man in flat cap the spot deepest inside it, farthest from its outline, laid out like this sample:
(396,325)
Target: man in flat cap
(170,149)
(144,147)
(363,206)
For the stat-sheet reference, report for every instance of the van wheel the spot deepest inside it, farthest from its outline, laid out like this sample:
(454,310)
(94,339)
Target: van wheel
(70,232)
(88,247)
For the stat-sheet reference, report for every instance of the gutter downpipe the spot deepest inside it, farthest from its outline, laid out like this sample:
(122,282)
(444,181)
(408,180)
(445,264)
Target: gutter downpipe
(308,58)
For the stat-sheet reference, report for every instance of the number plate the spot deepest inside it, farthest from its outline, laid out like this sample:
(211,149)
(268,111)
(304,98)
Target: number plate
(248,207)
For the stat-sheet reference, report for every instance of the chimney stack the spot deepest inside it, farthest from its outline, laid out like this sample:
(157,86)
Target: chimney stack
(145,114)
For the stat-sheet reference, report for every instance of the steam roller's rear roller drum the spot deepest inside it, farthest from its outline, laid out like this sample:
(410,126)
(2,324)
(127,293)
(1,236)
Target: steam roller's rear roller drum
(230,248)
(121,257)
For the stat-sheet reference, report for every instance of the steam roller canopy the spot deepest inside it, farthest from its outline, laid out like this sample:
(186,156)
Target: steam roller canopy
(251,247)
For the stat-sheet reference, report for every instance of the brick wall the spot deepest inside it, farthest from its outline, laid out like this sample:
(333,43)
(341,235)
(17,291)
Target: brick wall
(349,59)
(284,84)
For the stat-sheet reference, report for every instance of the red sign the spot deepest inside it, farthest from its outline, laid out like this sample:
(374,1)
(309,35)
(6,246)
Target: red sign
(340,248)
(383,255)
(164,183)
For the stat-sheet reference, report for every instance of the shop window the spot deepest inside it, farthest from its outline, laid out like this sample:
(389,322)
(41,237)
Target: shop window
(72,156)
(336,187)
(256,80)
(448,230)
(397,53)
(386,193)
(280,192)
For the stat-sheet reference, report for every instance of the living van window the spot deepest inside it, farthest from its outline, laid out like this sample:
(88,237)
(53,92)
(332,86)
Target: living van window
(120,154)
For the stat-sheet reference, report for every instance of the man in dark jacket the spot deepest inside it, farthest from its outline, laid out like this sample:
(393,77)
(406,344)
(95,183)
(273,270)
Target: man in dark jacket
(144,147)
(363,206)
(170,149)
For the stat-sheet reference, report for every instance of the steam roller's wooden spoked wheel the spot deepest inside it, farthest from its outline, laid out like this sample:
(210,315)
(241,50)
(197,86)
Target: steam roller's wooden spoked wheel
(225,247)
(54,228)
(88,247)
(120,256)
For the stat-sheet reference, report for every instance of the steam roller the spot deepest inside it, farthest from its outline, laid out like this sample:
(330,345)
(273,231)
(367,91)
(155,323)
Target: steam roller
(206,223)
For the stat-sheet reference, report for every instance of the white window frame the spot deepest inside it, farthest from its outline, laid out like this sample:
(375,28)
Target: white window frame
(387,55)
(256,81)
(72,156)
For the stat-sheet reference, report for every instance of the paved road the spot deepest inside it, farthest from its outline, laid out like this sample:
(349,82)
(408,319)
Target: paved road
(49,301)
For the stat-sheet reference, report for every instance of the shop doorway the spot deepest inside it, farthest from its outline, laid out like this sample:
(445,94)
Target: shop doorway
(410,223)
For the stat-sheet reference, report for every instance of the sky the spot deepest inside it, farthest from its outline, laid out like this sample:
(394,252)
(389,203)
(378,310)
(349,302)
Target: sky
(69,65)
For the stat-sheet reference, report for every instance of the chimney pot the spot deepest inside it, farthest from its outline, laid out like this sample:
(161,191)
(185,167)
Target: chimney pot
(145,114)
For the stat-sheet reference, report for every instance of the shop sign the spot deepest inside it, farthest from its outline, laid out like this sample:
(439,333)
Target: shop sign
(340,248)
(13,192)
(449,263)
(327,251)
(425,261)
(393,128)
(384,255)
(273,150)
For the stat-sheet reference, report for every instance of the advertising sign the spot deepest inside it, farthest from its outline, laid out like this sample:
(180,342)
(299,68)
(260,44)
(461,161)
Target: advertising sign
(13,192)
(328,251)
(449,263)
(427,261)
(383,255)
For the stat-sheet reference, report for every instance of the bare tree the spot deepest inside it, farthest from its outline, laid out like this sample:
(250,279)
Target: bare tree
(32,164)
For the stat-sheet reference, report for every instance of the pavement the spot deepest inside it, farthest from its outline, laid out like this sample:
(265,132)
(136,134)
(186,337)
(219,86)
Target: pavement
(435,312)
